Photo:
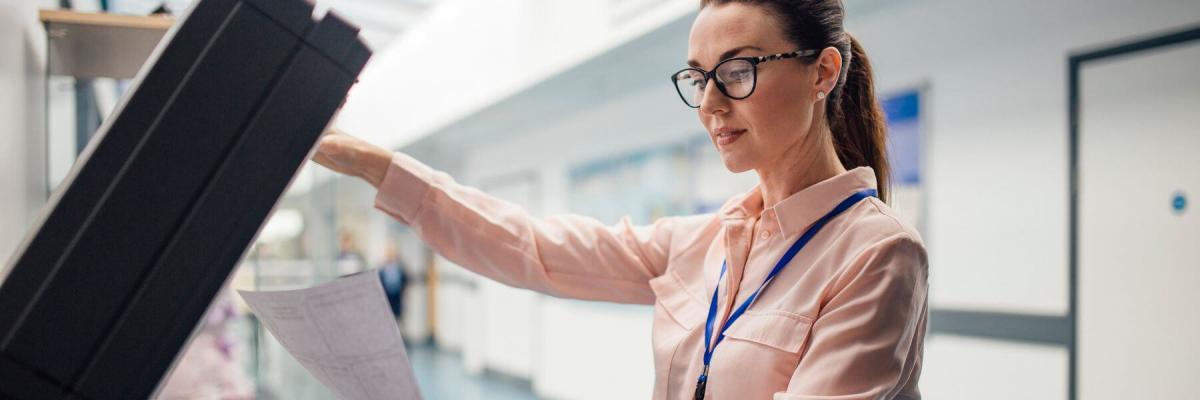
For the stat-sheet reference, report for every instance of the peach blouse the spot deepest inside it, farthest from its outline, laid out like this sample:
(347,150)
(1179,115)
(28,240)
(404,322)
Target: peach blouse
(845,320)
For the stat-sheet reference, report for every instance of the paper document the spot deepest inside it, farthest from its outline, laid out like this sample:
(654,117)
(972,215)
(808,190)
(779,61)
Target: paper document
(344,334)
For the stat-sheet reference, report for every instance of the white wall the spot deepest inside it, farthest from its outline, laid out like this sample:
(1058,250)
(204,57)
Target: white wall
(997,187)
(22,49)
(992,370)
(997,120)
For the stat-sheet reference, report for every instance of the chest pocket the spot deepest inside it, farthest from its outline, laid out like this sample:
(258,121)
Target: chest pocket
(778,329)
(679,304)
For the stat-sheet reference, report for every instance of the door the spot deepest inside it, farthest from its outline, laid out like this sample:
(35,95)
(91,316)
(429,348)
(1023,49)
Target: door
(1138,266)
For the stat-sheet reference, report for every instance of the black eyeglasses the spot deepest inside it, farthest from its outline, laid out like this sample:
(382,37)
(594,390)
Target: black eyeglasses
(736,77)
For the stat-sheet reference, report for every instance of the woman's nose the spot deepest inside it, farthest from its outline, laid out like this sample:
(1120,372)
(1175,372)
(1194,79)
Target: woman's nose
(713,101)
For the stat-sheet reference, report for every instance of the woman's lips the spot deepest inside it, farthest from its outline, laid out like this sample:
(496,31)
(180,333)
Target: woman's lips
(727,136)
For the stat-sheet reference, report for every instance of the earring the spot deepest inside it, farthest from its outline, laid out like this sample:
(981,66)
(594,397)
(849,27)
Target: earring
(821,95)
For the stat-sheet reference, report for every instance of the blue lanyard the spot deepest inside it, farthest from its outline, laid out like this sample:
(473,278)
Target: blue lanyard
(709,345)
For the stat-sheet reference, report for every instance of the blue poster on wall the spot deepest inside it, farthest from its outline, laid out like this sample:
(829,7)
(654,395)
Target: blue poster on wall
(905,149)
(904,136)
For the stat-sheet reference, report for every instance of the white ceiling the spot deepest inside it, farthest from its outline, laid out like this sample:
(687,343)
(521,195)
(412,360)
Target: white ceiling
(381,20)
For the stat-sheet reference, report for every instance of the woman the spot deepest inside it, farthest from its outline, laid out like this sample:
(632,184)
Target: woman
(807,286)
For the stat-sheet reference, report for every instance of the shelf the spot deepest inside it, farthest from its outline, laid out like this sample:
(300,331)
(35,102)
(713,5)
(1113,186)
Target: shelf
(91,45)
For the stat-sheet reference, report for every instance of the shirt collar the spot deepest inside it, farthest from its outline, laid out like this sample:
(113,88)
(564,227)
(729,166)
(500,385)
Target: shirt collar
(800,210)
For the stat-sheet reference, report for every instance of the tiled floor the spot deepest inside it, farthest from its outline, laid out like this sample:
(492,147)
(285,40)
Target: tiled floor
(442,377)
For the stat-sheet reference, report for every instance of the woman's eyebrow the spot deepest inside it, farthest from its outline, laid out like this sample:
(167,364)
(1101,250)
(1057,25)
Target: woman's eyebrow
(730,53)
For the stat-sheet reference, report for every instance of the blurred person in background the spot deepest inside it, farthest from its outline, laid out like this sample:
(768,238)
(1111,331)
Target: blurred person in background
(394,279)
(807,286)
(349,259)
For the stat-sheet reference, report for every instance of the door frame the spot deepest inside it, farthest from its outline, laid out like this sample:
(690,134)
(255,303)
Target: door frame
(1075,65)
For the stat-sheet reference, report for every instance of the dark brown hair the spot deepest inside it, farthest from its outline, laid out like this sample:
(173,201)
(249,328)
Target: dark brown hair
(855,119)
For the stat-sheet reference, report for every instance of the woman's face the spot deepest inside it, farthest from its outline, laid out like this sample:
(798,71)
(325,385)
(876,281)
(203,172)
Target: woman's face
(775,122)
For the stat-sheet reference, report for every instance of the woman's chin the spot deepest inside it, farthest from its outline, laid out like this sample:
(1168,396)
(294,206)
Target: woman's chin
(735,164)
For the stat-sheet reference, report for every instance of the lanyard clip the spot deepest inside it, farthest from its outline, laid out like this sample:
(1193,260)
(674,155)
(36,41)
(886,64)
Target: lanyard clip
(701,384)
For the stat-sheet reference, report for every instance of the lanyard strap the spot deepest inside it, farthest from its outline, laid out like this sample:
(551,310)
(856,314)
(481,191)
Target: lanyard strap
(709,345)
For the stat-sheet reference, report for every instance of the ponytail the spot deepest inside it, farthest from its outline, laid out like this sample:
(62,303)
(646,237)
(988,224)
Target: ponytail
(856,120)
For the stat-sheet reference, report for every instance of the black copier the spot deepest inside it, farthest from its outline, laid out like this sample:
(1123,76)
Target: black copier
(129,252)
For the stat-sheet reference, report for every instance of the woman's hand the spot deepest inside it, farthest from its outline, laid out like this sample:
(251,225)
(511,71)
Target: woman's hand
(352,156)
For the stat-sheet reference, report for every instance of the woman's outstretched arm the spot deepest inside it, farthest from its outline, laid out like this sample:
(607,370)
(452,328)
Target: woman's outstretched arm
(566,256)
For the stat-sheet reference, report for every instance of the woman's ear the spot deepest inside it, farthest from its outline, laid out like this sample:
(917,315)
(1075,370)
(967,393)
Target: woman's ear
(829,68)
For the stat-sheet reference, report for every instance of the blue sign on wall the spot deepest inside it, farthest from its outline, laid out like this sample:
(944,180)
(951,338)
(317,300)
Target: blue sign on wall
(904,136)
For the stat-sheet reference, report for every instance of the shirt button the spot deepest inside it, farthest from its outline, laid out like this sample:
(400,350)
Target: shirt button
(765,234)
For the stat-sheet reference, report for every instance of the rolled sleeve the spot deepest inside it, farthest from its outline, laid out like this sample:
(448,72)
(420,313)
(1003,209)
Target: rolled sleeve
(405,185)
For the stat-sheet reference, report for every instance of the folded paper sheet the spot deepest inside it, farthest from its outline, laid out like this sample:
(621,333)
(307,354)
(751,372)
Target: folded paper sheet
(344,334)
